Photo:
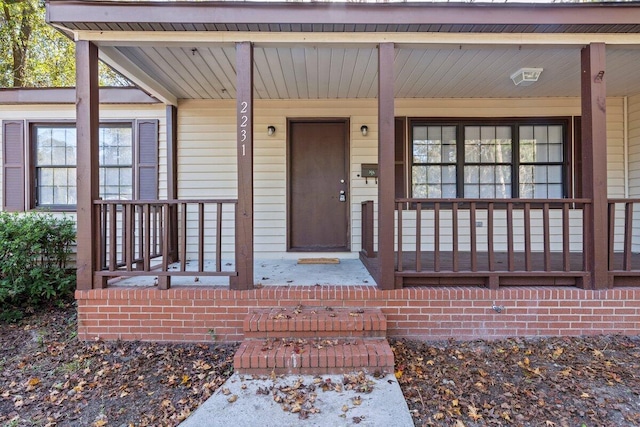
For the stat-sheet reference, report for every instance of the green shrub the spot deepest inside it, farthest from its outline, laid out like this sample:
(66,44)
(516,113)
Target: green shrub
(34,253)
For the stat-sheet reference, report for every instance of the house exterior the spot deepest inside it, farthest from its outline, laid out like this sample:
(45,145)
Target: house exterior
(392,133)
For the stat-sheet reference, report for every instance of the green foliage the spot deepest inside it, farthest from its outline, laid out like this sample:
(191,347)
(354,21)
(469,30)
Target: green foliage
(34,54)
(34,256)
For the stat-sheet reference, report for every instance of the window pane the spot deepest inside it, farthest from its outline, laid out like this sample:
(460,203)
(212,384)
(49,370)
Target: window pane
(471,174)
(554,174)
(419,133)
(471,191)
(433,174)
(554,191)
(555,153)
(541,146)
(55,157)
(487,174)
(449,175)
(449,191)
(434,158)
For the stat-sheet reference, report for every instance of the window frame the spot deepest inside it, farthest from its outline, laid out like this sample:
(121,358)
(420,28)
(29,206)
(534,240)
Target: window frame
(32,186)
(567,122)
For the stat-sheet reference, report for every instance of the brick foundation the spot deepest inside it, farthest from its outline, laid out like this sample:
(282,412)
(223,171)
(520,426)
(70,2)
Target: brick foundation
(202,314)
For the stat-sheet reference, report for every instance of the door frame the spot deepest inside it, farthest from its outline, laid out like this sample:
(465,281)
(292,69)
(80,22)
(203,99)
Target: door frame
(347,162)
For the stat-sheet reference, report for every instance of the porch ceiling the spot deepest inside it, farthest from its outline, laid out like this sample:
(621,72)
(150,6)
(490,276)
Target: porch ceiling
(321,72)
(328,50)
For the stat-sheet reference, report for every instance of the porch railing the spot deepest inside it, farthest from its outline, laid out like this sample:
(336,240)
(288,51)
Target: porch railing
(624,241)
(144,238)
(490,241)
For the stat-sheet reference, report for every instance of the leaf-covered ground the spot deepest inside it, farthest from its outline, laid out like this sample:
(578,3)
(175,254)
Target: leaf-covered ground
(573,382)
(50,378)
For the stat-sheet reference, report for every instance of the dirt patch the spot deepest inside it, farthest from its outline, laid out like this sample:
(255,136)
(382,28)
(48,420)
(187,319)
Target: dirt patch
(582,381)
(50,378)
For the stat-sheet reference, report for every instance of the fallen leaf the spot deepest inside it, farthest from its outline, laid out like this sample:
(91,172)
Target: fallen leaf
(232,398)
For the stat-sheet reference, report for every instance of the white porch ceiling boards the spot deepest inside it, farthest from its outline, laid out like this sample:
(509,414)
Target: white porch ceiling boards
(323,72)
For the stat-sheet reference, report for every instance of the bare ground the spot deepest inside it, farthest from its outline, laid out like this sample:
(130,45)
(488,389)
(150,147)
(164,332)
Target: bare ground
(50,378)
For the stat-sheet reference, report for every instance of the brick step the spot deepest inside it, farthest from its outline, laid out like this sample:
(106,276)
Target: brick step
(315,322)
(313,357)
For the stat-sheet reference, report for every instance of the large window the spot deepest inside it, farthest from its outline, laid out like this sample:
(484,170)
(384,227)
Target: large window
(55,163)
(488,158)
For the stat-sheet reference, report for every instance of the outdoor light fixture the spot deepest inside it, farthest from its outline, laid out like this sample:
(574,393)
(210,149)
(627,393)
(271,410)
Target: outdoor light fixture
(526,76)
(364,129)
(271,130)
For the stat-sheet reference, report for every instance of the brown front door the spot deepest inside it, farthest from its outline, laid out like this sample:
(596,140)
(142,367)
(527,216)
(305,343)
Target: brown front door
(318,184)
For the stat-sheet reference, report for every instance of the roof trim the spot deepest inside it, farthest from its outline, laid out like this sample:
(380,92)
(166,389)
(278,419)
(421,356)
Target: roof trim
(67,12)
(67,95)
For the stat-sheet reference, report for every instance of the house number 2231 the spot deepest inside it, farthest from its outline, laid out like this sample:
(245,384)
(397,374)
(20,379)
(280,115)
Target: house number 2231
(244,119)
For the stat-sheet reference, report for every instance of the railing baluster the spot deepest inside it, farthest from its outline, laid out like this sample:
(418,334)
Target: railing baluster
(436,237)
(164,282)
(139,251)
(491,254)
(201,236)
(510,255)
(156,210)
(586,234)
(454,218)
(147,238)
(419,237)
(527,236)
(183,238)
(103,211)
(219,237)
(628,236)
(547,243)
(566,248)
(473,232)
(612,235)
(113,237)
(128,236)
(399,262)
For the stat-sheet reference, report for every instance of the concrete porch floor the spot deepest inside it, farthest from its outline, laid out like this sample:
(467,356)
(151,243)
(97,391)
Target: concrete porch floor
(272,272)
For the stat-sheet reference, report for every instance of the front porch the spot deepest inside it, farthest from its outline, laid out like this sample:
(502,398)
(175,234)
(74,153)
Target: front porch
(571,240)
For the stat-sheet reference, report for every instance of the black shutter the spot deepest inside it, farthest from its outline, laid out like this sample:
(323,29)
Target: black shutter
(147,168)
(13,166)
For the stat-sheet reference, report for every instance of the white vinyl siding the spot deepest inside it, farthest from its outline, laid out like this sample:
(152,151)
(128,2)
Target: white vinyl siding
(207,152)
(634,160)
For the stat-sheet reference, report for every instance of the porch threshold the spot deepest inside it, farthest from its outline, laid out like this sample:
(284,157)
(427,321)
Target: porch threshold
(271,272)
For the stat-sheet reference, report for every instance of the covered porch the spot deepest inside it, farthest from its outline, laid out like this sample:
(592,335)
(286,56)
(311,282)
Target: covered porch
(270,65)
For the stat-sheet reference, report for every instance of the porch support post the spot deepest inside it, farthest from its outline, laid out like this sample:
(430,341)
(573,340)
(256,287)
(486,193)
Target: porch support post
(244,210)
(386,166)
(594,161)
(172,177)
(87,123)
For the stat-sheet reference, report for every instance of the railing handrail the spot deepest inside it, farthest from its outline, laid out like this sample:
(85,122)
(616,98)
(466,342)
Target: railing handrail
(623,200)
(163,202)
(494,201)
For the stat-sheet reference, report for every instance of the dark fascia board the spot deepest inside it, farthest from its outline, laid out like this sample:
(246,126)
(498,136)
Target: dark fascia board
(67,12)
(67,95)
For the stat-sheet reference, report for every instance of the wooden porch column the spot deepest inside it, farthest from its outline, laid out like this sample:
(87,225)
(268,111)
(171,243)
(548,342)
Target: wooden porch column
(386,166)
(594,161)
(172,176)
(244,212)
(87,123)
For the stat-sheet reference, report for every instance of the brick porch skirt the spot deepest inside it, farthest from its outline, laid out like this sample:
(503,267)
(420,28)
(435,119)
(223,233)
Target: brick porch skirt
(464,313)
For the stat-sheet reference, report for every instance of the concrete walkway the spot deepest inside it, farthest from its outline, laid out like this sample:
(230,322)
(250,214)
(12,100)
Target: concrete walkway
(273,272)
(241,402)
